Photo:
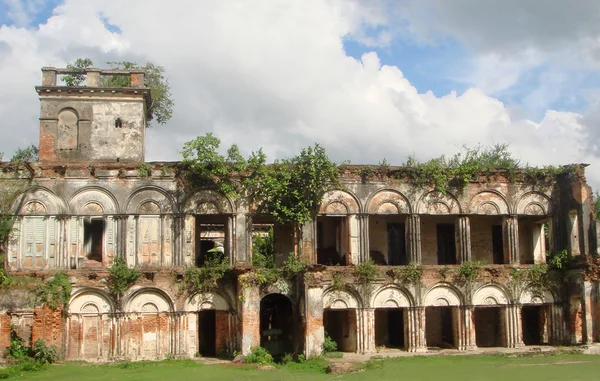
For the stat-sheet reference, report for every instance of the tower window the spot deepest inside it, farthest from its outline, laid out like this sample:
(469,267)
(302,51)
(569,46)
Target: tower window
(118,123)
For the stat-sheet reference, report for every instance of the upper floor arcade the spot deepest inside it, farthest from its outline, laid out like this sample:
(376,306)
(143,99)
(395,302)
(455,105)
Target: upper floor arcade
(81,217)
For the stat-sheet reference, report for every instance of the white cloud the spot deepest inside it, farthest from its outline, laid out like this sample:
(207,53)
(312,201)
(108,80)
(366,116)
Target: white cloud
(17,12)
(274,76)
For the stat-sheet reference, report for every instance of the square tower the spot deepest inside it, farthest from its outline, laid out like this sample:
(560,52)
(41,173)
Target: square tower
(95,122)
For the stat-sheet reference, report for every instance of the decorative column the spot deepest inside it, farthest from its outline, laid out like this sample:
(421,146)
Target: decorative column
(510,232)
(466,329)
(188,241)
(121,236)
(413,238)
(367,329)
(354,249)
(463,239)
(62,254)
(416,330)
(363,226)
(178,237)
(557,325)
(243,243)
(249,315)
(514,332)
(313,307)
(309,239)
(231,236)
(117,340)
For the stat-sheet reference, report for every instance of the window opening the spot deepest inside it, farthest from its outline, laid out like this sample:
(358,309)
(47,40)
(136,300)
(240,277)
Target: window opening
(93,233)
(446,246)
(497,245)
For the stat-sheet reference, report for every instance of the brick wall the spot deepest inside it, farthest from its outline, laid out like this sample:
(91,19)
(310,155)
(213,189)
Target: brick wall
(222,330)
(48,325)
(4,331)
(481,237)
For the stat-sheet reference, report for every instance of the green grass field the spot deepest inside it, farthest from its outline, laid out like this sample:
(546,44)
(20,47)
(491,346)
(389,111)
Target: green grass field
(570,367)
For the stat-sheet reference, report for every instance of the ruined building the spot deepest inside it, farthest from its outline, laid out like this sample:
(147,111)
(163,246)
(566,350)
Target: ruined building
(90,199)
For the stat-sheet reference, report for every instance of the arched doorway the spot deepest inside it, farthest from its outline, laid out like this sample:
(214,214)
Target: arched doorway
(276,325)
(490,317)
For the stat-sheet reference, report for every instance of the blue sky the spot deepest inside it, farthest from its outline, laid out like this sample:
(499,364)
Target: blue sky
(275,76)
(435,66)
(37,11)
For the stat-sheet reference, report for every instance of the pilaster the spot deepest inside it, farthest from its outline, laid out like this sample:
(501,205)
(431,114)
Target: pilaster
(510,232)
(514,331)
(413,238)
(416,330)
(363,226)
(463,239)
(367,329)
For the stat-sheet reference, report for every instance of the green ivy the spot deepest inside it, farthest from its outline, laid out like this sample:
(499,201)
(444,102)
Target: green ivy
(258,355)
(468,272)
(55,292)
(290,190)
(559,260)
(597,205)
(293,266)
(232,175)
(366,272)
(262,276)
(263,250)
(6,226)
(204,278)
(458,170)
(337,282)
(444,271)
(145,170)
(409,274)
(536,277)
(329,345)
(120,278)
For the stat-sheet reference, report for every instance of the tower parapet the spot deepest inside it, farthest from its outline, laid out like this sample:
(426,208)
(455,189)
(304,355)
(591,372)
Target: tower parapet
(94,122)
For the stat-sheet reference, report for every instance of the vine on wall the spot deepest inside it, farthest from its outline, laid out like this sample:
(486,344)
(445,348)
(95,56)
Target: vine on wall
(457,171)
(55,292)
(120,278)
(290,189)
(409,274)
(205,278)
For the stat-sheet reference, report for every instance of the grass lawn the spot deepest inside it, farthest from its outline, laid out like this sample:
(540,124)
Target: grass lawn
(570,367)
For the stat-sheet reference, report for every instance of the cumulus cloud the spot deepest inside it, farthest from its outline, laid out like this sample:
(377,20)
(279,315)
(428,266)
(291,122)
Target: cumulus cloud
(274,76)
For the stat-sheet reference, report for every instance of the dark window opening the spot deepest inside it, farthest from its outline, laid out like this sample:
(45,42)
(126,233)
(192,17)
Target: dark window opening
(533,320)
(489,327)
(340,325)
(205,251)
(331,241)
(276,325)
(118,123)
(497,245)
(389,327)
(93,233)
(446,246)
(210,239)
(396,244)
(272,243)
(439,327)
(207,333)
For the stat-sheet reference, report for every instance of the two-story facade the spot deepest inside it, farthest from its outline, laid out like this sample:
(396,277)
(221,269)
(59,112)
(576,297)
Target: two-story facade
(89,200)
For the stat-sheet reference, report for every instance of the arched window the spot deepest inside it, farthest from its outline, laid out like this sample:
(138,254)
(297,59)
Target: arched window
(68,130)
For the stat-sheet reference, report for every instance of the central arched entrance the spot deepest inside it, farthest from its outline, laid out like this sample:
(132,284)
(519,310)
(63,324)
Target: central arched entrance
(276,325)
